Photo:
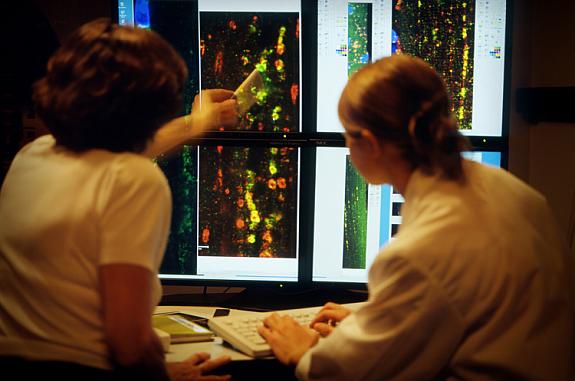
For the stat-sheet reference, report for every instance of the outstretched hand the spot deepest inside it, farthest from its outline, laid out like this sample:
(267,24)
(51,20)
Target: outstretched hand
(287,338)
(195,368)
(328,317)
(217,110)
(213,109)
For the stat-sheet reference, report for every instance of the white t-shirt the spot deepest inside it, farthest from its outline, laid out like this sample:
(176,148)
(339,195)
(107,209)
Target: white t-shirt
(62,215)
(475,286)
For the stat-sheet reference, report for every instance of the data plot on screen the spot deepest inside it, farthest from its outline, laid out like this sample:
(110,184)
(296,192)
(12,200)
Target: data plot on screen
(233,44)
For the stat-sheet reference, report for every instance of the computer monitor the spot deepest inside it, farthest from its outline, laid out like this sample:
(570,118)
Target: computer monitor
(353,219)
(465,41)
(251,209)
(236,207)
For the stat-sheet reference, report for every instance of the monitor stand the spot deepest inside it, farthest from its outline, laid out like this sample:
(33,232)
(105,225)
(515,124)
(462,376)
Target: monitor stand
(267,299)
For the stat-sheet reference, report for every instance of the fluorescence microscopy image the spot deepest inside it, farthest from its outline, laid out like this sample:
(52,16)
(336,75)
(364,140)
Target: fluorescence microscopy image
(355,209)
(355,219)
(442,33)
(233,44)
(248,202)
(359,35)
(181,172)
(177,22)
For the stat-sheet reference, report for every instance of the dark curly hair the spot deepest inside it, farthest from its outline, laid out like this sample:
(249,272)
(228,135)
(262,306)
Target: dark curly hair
(404,101)
(110,87)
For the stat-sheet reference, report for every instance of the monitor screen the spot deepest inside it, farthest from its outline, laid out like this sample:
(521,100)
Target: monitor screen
(235,208)
(463,40)
(235,214)
(238,37)
(352,219)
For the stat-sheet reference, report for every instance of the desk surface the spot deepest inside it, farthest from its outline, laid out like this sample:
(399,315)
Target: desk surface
(181,351)
(217,347)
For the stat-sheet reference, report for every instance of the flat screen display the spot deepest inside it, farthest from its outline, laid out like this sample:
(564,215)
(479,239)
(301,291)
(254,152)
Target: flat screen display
(353,219)
(235,208)
(463,40)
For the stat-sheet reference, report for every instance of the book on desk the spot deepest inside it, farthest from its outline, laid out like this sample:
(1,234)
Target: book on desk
(180,328)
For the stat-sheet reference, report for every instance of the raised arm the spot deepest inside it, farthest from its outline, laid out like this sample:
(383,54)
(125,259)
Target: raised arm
(216,109)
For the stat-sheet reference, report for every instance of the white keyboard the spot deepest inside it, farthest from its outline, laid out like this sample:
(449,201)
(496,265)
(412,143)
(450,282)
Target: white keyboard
(241,331)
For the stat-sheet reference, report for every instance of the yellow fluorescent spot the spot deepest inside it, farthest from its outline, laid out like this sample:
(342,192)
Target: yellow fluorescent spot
(276,113)
(464,33)
(254,216)
(272,167)
(274,150)
(464,18)
(252,238)
(261,96)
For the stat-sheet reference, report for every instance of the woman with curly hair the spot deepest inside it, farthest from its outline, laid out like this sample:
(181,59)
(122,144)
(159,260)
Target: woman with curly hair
(85,213)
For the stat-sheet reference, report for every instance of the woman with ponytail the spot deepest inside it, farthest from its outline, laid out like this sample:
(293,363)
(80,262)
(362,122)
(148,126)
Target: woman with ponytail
(475,285)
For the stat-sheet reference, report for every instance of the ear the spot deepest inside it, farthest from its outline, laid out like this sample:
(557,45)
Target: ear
(373,144)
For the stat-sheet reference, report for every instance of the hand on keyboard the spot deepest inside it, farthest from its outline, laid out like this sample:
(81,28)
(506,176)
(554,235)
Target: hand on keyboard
(288,339)
(328,317)
(242,331)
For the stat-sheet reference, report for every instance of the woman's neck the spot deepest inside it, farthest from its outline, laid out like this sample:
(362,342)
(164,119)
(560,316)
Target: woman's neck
(400,178)
(397,171)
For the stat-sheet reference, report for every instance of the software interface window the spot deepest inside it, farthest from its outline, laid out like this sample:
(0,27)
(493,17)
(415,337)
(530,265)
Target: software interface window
(237,208)
(354,219)
(463,41)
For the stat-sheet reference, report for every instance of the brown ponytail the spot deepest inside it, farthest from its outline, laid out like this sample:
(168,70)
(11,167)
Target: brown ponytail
(405,102)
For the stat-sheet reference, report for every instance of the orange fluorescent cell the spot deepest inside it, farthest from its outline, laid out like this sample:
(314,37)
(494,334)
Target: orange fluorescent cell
(206,235)
(294,91)
(266,254)
(267,236)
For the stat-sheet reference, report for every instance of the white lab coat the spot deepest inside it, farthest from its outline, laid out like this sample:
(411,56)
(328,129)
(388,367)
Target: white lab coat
(475,286)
